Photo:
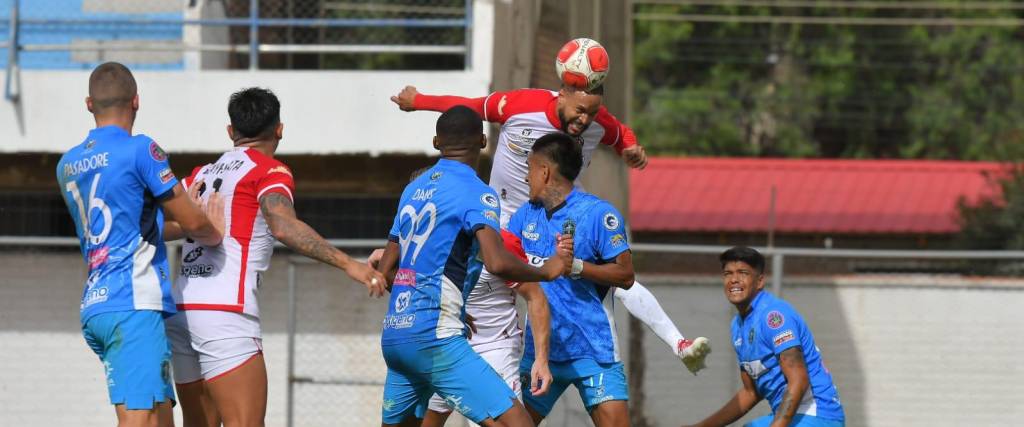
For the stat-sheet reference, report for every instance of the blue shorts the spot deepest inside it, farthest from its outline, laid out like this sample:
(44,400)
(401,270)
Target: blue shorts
(596,383)
(449,368)
(799,420)
(136,355)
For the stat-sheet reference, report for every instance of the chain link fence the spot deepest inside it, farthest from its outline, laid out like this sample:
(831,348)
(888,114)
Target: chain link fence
(897,342)
(236,34)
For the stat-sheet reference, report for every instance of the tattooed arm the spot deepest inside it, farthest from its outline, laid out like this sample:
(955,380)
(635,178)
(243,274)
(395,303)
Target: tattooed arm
(288,229)
(793,368)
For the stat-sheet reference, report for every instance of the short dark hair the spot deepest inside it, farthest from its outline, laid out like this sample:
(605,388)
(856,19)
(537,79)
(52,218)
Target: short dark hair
(254,112)
(563,150)
(460,126)
(744,254)
(111,84)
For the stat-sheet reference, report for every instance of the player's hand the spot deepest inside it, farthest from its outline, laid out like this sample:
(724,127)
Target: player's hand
(471,323)
(372,279)
(564,251)
(214,210)
(635,157)
(540,378)
(693,353)
(405,98)
(195,192)
(374,259)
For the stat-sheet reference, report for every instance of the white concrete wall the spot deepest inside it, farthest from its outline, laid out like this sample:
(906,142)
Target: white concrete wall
(323,111)
(921,352)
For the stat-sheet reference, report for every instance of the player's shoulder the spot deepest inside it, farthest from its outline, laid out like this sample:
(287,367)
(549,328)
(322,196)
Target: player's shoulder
(597,208)
(520,101)
(144,144)
(778,313)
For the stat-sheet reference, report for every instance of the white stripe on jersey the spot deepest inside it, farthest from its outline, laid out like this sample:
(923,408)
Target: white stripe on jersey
(609,312)
(281,186)
(449,319)
(146,292)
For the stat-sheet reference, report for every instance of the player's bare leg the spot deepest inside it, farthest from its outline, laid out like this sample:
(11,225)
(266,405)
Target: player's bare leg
(535,416)
(197,406)
(435,419)
(162,415)
(613,413)
(516,416)
(241,395)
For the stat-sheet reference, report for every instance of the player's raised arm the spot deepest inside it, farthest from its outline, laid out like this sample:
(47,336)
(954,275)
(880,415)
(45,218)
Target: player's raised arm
(279,213)
(502,263)
(735,408)
(409,99)
(622,139)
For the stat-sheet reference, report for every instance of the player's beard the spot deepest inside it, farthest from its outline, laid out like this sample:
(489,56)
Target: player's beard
(565,125)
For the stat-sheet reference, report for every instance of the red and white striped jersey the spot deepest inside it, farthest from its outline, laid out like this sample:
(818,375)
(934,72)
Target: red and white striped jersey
(227,277)
(525,115)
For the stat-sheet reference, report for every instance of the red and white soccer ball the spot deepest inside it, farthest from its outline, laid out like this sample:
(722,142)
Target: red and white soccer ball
(582,63)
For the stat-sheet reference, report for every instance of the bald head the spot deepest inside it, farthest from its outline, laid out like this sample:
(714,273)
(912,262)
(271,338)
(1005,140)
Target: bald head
(111,86)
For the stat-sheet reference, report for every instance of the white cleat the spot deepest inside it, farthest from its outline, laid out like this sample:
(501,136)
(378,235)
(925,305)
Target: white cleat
(693,353)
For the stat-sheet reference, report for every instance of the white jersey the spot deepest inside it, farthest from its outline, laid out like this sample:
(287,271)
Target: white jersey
(528,114)
(227,277)
(524,115)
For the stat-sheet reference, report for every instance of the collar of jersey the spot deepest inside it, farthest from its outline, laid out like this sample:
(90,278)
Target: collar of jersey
(108,130)
(572,195)
(552,113)
(760,300)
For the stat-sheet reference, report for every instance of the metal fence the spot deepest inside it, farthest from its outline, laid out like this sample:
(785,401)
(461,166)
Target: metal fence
(883,335)
(290,34)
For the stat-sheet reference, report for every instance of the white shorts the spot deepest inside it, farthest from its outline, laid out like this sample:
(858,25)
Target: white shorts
(505,361)
(206,344)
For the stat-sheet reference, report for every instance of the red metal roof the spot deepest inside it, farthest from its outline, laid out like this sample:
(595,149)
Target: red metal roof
(812,196)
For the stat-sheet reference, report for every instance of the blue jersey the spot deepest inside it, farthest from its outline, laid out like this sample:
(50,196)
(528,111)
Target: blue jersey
(581,326)
(438,216)
(111,184)
(771,327)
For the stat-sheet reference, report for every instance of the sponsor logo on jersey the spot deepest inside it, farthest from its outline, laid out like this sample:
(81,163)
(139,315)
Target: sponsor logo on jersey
(738,342)
(423,195)
(90,144)
(197,270)
(436,175)
(518,149)
(455,402)
(775,319)
(611,222)
(194,254)
(156,152)
(753,368)
(617,240)
(535,260)
(98,257)
(80,166)
(783,338)
(530,232)
(489,200)
(166,175)
(491,215)
(94,295)
(527,132)
(279,169)
(402,301)
(399,322)
(405,277)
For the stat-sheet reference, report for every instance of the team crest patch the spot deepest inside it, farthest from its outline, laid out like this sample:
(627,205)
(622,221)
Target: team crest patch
(750,338)
(156,152)
(775,319)
(618,240)
(436,176)
(783,338)
(611,222)
(489,200)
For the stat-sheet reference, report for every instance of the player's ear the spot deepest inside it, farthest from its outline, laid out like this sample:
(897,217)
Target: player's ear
(231,133)
(88,104)
(483,141)
(437,143)
(135,102)
(279,132)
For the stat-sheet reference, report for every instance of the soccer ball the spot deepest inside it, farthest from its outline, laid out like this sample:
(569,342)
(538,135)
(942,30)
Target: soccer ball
(582,63)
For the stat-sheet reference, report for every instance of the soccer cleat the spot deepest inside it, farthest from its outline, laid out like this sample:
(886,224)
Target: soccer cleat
(693,353)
